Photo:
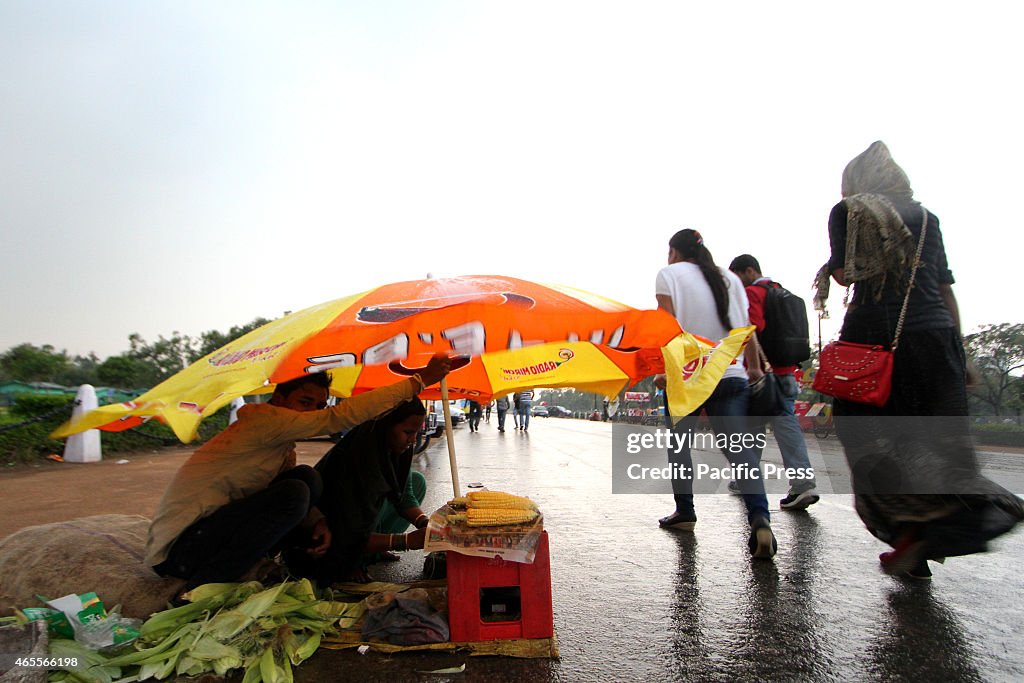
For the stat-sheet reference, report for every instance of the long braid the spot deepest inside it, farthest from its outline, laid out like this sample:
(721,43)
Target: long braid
(690,246)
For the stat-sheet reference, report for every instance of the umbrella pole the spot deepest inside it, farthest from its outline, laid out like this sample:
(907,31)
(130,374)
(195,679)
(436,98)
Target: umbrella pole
(448,432)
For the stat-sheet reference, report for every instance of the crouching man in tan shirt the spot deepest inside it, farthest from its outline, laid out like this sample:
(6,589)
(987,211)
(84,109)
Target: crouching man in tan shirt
(241,493)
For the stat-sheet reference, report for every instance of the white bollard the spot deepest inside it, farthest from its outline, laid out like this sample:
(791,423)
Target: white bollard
(84,447)
(235,405)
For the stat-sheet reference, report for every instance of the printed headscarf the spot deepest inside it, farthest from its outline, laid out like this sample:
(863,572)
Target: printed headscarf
(874,172)
(879,246)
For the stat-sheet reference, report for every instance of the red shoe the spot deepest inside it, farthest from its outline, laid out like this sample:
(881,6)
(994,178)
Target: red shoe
(907,555)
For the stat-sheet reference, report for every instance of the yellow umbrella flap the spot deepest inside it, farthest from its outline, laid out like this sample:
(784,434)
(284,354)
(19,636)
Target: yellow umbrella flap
(243,366)
(559,364)
(693,367)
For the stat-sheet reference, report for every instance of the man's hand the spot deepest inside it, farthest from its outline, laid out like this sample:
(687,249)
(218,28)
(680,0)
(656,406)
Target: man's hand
(660,381)
(438,367)
(321,537)
(753,374)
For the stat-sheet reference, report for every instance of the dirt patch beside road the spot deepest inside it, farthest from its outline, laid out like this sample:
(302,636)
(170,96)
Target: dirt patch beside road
(51,491)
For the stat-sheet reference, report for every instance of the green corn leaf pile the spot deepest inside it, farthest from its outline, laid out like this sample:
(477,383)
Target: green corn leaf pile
(225,626)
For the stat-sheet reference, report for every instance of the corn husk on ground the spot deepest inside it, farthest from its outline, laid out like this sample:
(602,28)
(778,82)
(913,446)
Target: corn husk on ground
(493,508)
(225,626)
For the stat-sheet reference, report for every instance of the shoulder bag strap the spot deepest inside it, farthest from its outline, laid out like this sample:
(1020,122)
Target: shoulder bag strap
(765,363)
(910,286)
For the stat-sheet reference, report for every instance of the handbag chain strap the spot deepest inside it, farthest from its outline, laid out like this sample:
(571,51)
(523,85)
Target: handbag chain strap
(910,285)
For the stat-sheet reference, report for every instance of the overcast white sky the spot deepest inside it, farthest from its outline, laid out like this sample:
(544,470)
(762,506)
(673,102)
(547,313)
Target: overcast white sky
(186,166)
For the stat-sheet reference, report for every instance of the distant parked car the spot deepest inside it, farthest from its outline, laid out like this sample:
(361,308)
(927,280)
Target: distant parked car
(431,429)
(540,411)
(458,415)
(559,411)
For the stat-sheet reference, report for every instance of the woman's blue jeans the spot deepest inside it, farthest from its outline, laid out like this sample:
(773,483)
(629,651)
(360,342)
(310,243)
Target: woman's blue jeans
(727,412)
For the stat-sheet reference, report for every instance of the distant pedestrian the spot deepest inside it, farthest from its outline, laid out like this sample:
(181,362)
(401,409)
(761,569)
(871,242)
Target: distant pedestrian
(502,406)
(487,411)
(525,406)
(785,344)
(515,408)
(475,412)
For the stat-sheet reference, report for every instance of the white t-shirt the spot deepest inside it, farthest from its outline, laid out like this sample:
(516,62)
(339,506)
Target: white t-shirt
(694,305)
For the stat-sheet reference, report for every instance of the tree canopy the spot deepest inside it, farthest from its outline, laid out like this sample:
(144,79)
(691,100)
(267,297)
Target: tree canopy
(143,365)
(998,354)
(30,363)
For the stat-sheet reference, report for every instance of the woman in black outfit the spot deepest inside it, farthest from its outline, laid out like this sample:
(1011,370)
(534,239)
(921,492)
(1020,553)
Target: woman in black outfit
(915,477)
(366,473)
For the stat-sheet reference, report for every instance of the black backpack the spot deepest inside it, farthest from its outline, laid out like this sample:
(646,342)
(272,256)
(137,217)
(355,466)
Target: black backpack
(785,338)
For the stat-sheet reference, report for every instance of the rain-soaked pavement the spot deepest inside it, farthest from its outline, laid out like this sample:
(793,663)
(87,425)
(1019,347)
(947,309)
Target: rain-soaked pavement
(634,602)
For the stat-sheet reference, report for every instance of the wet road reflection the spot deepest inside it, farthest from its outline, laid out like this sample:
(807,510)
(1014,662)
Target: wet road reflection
(633,602)
(756,620)
(920,639)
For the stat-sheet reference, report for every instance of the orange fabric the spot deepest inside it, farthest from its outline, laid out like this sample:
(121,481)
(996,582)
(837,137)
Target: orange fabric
(380,336)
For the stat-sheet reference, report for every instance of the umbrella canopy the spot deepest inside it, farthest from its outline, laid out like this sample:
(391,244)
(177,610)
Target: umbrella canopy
(515,335)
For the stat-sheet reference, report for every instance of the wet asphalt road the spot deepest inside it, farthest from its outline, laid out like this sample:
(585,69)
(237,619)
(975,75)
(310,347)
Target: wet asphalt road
(634,602)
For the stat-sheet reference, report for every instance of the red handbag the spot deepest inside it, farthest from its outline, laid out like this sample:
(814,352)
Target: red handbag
(862,373)
(855,372)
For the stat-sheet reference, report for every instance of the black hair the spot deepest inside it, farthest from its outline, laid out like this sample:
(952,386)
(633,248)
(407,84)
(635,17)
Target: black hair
(374,433)
(402,411)
(690,245)
(317,379)
(744,261)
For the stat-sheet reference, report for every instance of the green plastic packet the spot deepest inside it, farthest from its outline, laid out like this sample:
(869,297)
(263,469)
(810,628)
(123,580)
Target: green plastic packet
(125,631)
(56,623)
(93,609)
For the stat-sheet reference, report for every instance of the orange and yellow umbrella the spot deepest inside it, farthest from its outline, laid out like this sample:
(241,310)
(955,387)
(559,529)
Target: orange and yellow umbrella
(514,334)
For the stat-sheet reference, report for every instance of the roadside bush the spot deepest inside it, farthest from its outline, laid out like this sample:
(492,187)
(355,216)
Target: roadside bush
(29,442)
(38,416)
(999,434)
(30,406)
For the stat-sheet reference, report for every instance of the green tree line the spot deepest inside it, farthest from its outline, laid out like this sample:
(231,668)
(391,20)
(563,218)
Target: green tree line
(143,365)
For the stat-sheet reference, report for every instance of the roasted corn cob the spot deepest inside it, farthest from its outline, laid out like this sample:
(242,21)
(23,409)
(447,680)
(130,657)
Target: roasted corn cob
(499,516)
(498,500)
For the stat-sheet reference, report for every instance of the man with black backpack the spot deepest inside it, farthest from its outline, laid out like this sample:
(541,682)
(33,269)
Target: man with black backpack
(782,331)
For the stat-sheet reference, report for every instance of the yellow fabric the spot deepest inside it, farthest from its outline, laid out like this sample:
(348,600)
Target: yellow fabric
(693,367)
(245,458)
(244,366)
(561,364)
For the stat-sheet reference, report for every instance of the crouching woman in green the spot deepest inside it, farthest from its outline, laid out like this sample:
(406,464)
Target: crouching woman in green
(370,497)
